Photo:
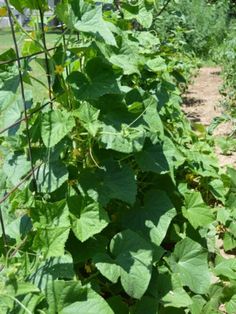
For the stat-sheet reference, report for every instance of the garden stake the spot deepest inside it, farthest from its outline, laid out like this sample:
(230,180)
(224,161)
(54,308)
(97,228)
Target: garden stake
(22,92)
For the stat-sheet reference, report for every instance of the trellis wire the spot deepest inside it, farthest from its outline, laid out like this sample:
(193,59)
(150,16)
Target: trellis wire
(64,44)
(27,115)
(4,236)
(19,184)
(164,7)
(22,91)
(27,57)
(46,55)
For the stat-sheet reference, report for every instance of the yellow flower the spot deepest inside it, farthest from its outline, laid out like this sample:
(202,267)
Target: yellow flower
(3,11)
(72,182)
(59,69)
(130,26)
(46,28)
(189,177)
(33,35)
(88,268)
(76,152)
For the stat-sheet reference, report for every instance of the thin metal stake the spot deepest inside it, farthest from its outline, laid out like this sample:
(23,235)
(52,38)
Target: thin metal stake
(22,92)
(4,236)
(5,197)
(29,116)
(27,56)
(64,44)
(46,56)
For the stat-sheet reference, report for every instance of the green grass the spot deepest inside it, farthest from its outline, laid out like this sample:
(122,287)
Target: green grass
(39,92)
(208,63)
(6,40)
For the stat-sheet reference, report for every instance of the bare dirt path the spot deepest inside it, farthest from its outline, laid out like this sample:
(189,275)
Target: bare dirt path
(202,98)
(202,105)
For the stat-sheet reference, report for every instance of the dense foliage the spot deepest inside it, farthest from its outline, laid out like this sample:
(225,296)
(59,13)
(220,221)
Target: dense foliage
(130,204)
(225,55)
(200,25)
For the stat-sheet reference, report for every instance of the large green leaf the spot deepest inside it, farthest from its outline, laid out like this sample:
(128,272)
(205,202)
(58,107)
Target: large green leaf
(93,303)
(148,42)
(7,55)
(148,305)
(132,263)
(197,305)
(84,251)
(50,176)
(9,108)
(177,298)
(142,12)
(124,140)
(227,268)
(231,305)
(218,190)
(15,167)
(204,163)
(89,302)
(87,217)
(51,220)
(196,211)
(70,297)
(88,116)
(117,305)
(173,154)
(128,63)
(154,218)
(66,14)
(12,290)
(229,240)
(152,158)
(92,22)
(157,65)
(20,5)
(152,118)
(107,266)
(51,269)
(119,131)
(55,125)
(102,187)
(189,260)
(20,289)
(98,80)
(31,302)
(59,291)
(18,228)
(223,215)
(11,105)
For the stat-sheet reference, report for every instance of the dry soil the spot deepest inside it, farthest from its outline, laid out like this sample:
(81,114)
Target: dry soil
(202,105)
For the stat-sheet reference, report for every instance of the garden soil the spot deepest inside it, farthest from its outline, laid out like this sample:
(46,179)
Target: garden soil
(202,104)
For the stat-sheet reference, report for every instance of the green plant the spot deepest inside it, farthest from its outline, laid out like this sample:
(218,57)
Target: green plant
(226,56)
(124,212)
(199,26)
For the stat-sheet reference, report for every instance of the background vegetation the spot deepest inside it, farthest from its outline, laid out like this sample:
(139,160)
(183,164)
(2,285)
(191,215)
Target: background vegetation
(201,26)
